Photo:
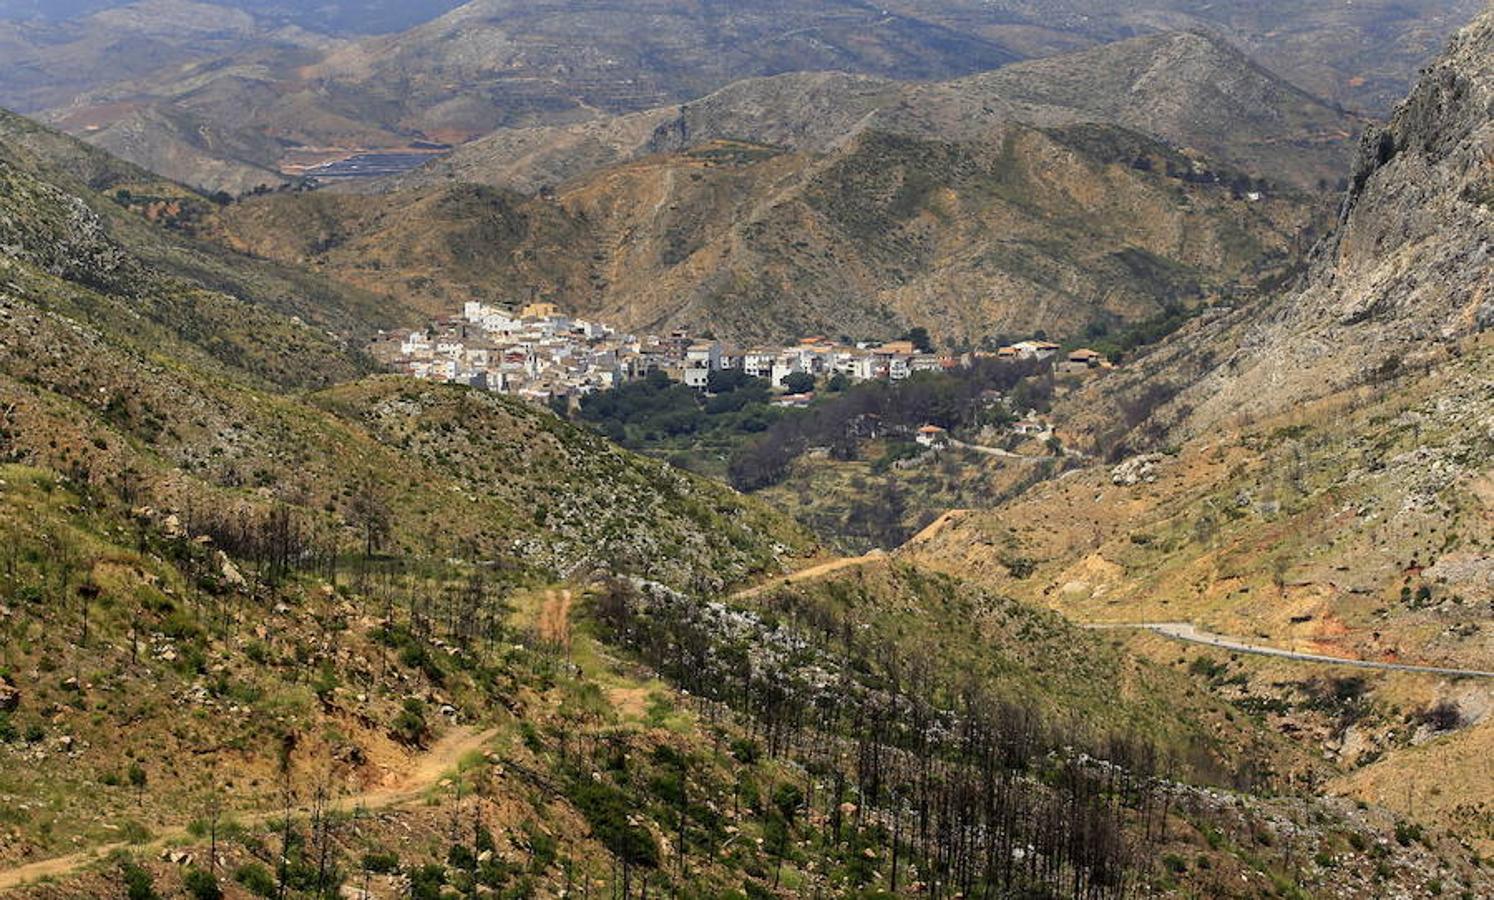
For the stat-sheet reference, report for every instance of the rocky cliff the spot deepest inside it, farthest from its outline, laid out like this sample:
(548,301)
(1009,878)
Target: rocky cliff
(1399,286)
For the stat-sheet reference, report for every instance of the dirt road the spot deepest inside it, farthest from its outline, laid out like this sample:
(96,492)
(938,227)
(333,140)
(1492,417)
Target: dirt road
(811,573)
(929,532)
(428,769)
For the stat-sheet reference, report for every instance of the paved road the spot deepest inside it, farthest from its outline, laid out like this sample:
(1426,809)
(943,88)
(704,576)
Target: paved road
(427,771)
(1183,631)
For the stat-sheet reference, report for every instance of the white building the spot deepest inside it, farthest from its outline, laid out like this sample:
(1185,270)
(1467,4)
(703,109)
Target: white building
(784,365)
(933,436)
(700,361)
(759,363)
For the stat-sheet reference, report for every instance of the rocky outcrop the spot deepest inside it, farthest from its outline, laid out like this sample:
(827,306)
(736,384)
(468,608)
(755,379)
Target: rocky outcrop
(1404,280)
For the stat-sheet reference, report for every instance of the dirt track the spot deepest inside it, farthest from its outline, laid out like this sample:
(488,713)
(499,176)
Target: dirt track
(428,769)
(931,531)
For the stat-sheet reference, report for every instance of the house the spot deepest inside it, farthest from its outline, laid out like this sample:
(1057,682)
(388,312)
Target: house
(1032,425)
(1081,361)
(933,436)
(925,362)
(1035,349)
(700,361)
(784,365)
(540,311)
(758,362)
(592,331)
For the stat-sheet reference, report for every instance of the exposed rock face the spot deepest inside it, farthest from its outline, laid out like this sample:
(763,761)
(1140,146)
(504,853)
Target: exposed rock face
(1407,275)
(1410,267)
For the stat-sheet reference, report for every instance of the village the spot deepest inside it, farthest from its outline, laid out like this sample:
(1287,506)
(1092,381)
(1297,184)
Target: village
(539,354)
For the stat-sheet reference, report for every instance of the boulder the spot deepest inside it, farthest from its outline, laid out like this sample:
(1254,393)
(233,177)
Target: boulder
(10,695)
(230,572)
(1136,470)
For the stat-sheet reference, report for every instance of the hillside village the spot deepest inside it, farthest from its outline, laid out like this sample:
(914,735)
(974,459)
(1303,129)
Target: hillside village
(542,355)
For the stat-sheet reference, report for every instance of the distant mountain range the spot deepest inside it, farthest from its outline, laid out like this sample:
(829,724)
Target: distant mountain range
(1049,195)
(217,97)
(327,16)
(1191,90)
(269,610)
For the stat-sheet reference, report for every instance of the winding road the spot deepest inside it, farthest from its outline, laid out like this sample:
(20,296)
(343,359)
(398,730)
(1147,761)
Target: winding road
(1182,631)
(446,754)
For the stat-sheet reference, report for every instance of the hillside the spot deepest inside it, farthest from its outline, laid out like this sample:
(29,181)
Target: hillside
(1023,229)
(154,216)
(1192,90)
(1321,456)
(274,627)
(1364,55)
(187,378)
(279,640)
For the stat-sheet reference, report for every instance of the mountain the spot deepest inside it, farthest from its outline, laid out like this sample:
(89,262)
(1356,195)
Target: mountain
(1023,229)
(51,62)
(1312,467)
(1362,55)
(153,215)
(277,627)
(1193,90)
(107,309)
(273,625)
(491,64)
(363,17)
(1000,204)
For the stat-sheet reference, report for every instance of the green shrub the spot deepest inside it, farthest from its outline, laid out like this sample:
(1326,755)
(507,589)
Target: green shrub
(606,808)
(460,856)
(426,882)
(133,832)
(381,862)
(409,725)
(745,750)
(256,879)
(542,847)
(1407,833)
(139,884)
(202,885)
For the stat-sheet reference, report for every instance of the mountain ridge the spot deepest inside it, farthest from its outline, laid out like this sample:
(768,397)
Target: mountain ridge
(562,62)
(1246,120)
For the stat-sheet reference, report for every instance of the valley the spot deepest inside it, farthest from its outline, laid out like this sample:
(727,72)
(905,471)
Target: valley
(746,450)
